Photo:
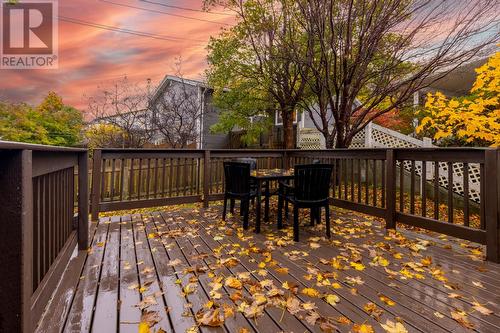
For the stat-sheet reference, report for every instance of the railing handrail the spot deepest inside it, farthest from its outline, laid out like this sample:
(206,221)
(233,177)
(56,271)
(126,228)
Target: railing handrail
(38,193)
(32,146)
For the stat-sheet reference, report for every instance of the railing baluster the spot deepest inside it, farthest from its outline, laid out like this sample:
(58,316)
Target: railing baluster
(359,180)
(401,185)
(131,180)
(367,182)
(450,192)
(155,189)
(466,193)
(436,190)
(482,190)
(374,183)
(139,182)
(163,177)
(148,178)
(112,179)
(352,179)
(423,182)
(346,165)
(122,177)
(171,177)
(383,162)
(412,187)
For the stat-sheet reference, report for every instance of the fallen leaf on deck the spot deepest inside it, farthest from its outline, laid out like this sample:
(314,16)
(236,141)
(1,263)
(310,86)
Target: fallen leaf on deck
(438,314)
(150,318)
(332,299)
(363,328)
(394,327)
(311,292)
(174,262)
(234,283)
(481,309)
(462,319)
(373,310)
(386,300)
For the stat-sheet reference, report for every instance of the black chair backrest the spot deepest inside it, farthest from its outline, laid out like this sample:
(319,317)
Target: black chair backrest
(237,176)
(248,160)
(312,181)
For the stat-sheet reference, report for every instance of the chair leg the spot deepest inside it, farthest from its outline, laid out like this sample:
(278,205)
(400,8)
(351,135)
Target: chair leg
(224,209)
(327,220)
(245,205)
(318,215)
(280,212)
(231,206)
(296,223)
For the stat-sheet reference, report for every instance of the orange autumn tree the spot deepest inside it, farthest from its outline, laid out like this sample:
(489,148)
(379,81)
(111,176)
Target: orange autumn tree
(475,118)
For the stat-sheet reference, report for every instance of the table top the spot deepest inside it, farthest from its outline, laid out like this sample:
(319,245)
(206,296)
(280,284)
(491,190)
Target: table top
(272,173)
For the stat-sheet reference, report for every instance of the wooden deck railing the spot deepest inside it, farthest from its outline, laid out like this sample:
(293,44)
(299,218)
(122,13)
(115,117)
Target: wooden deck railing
(39,228)
(400,185)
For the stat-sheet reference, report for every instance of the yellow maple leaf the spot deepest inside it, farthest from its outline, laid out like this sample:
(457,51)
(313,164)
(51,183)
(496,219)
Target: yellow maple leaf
(144,328)
(386,300)
(363,328)
(332,299)
(357,266)
(234,283)
(311,292)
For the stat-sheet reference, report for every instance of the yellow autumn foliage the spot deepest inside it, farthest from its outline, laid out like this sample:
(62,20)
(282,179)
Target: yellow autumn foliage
(474,118)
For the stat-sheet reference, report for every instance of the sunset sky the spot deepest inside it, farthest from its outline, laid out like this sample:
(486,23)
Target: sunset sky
(89,56)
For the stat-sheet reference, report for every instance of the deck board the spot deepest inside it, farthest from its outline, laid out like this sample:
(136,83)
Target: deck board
(165,252)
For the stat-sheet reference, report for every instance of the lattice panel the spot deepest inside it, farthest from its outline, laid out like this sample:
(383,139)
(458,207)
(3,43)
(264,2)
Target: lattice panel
(381,138)
(359,140)
(309,139)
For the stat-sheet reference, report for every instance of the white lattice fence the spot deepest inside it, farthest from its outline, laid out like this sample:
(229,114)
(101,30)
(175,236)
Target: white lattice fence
(385,138)
(376,136)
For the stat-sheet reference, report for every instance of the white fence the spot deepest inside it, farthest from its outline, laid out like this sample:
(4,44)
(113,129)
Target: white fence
(376,136)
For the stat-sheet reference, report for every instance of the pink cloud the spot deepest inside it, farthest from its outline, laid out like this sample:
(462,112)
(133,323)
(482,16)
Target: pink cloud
(89,57)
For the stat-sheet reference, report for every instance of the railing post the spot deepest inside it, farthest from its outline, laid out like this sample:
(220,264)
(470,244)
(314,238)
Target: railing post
(491,204)
(369,135)
(285,159)
(390,175)
(16,245)
(83,200)
(96,183)
(206,178)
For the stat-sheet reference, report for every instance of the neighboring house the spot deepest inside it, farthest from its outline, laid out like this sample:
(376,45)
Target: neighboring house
(456,83)
(201,113)
(305,133)
(208,114)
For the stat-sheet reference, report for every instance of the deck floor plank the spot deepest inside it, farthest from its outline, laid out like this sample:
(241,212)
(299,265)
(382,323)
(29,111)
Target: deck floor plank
(147,275)
(193,259)
(272,320)
(137,250)
(197,300)
(129,313)
(106,319)
(173,295)
(82,309)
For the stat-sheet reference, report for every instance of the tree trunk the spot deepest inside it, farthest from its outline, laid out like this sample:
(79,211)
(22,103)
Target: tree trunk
(288,137)
(329,141)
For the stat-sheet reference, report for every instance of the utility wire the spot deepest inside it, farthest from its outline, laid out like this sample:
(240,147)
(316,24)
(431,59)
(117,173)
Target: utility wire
(127,31)
(187,9)
(164,13)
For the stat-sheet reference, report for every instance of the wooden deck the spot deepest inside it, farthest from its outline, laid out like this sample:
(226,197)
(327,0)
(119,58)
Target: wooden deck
(179,263)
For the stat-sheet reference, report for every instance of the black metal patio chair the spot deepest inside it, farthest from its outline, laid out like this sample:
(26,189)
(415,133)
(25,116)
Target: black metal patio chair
(310,190)
(238,187)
